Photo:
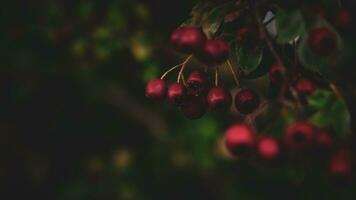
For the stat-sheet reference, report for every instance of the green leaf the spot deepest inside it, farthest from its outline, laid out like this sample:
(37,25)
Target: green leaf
(320,99)
(215,18)
(308,58)
(249,60)
(289,25)
(331,112)
(341,121)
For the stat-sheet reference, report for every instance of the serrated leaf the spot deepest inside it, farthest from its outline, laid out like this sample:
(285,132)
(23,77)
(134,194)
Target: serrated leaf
(249,60)
(289,25)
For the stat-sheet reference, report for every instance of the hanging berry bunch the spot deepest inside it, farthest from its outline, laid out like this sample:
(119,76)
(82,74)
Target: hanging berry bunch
(295,47)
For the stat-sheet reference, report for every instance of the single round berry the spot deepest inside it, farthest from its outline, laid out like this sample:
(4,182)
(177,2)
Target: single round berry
(219,99)
(247,36)
(322,41)
(323,139)
(214,51)
(246,101)
(276,74)
(340,167)
(342,19)
(304,87)
(194,107)
(175,38)
(268,148)
(156,89)
(188,39)
(240,139)
(197,83)
(176,94)
(299,135)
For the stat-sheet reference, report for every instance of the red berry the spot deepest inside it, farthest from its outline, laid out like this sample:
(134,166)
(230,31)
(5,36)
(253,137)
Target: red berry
(194,107)
(299,135)
(276,73)
(323,139)
(240,139)
(247,36)
(219,99)
(322,41)
(304,87)
(156,89)
(188,39)
(176,94)
(268,148)
(246,101)
(343,19)
(175,37)
(214,51)
(340,166)
(197,83)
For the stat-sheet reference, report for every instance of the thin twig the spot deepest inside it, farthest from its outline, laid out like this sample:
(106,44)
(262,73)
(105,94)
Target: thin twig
(233,73)
(336,91)
(275,54)
(171,69)
(183,67)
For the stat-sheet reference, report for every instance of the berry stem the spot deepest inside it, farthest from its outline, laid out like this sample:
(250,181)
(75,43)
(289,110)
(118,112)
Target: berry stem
(336,91)
(233,73)
(171,69)
(275,54)
(183,67)
(216,77)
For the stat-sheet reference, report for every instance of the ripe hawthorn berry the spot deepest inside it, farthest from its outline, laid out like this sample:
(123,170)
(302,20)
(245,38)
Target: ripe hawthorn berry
(276,74)
(188,39)
(240,139)
(214,51)
(156,89)
(322,146)
(176,94)
(246,101)
(219,99)
(247,36)
(323,139)
(340,167)
(268,148)
(342,19)
(197,83)
(194,107)
(299,135)
(304,87)
(322,41)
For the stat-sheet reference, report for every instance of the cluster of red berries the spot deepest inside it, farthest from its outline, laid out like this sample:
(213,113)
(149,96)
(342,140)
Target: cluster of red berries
(195,96)
(300,137)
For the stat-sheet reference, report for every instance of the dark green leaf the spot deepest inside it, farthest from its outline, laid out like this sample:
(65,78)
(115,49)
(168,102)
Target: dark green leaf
(331,112)
(249,60)
(289,25)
